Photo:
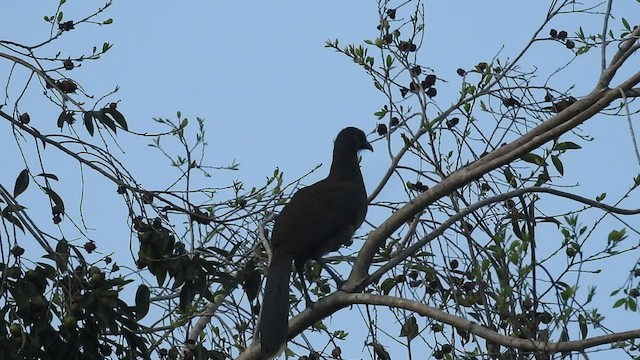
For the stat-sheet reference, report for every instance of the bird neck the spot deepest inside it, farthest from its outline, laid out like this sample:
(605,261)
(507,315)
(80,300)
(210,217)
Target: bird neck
(345,165)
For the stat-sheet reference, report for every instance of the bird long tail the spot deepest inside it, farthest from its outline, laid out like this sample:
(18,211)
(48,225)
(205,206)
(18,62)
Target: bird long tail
(274,314)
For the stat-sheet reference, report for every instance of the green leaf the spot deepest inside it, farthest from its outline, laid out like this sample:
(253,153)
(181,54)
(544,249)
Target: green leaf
(409,328)
(567,145)
(387,285)
(108,21)
(626,24)
(62,254)
(56,199)
(582,322)
(557,164)
(617,235)
(601,197)
(619,303)
(48,176)
(142,301)
(380,351)
(88,121)
(186,296)
(61,118)
(117,116)
(7,214)
(60,15)
(103,118)
(22,181)
(533,159)
(511,179)
(633,306)
(251,283)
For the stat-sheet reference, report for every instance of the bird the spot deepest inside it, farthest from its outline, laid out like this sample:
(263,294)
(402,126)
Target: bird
(318,219)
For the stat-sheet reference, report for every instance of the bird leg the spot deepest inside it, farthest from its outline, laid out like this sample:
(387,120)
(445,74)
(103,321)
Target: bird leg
(300,270)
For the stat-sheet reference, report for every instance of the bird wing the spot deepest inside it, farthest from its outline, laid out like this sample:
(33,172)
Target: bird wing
(320,218)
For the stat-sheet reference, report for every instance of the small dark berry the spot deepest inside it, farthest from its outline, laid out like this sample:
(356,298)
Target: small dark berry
(453,264)
(391,13)
(570,44)
(432,92)
(90,246)
(17,251)
(562,35)
(553,33)
(452,122)
(461,72)
(66,26)
(429,81)
(394,121)
(25,118)
(382,129)
(68,64)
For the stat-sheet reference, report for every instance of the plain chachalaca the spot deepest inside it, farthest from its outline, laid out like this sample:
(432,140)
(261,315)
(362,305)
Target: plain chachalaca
(317,220)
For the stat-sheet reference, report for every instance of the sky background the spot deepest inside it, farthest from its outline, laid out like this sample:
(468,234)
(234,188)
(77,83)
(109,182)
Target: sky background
(274,96)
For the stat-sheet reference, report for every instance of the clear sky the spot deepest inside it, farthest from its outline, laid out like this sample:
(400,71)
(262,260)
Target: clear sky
(274,96)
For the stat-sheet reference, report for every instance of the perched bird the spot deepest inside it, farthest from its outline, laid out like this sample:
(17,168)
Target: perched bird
(317,220)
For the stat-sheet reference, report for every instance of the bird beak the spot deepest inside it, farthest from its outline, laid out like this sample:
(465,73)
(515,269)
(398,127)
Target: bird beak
(367,146)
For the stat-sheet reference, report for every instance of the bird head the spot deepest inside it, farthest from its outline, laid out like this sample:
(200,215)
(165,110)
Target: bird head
(352,139)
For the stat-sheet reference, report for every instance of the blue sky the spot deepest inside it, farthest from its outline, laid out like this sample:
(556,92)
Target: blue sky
(274,96)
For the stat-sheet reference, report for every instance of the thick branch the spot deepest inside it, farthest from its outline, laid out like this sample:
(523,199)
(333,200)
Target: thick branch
(340,300)
(551,129)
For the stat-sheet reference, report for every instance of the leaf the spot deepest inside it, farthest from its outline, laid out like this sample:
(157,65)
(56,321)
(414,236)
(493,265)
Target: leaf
(186,296)
(88,121)
(508,175)
(48,176)
(567,145)
(616,236)
(625,23)
(117,116)
(8,214)
(387,285)
(142,301)
(533,159)
(620,302)
(61,118)
(557,164)
(22,181)
(582,322)
(62,254)
(103,118)
(550,219)
(251,283)
(380,351)
(57,200)
(409,328)
(601,197)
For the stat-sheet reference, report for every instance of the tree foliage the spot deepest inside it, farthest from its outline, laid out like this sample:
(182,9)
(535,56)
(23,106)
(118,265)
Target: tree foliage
(478,245)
